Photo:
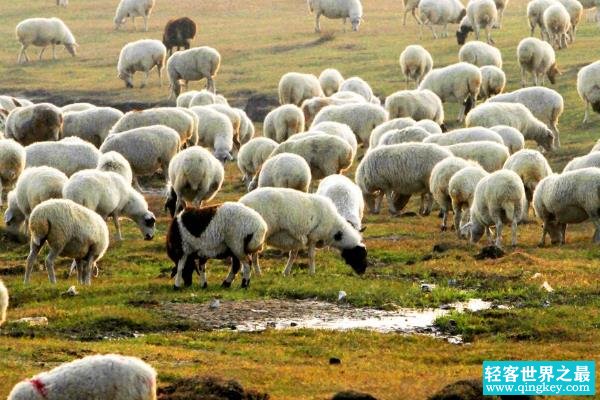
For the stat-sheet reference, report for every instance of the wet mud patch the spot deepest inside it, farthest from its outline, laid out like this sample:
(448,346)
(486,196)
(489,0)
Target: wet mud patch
(208,388)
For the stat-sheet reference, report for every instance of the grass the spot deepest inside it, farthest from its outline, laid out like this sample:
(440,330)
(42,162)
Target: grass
(259,41)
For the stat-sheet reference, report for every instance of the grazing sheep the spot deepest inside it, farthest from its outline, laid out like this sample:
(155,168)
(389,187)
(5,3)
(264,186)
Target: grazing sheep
(68,155)
(499,199)
(199,98)
(76,107)
(91,125)
(480,54)
(184,99)
(416,104)
(147,149)
(336,9)
(397,136)
(115,162)
(493,81)
(535,15)
(340,130)
(71,230)
(491,156)
(537,57)
(461,189)
(589,160)
(458,83)
(330,80)
(588,88)
(439,181)
(557,25)
(575,10)
(285,170)
(513,139)
(9,103)
(3,302)
(298,220)
(107,376)
(178,33)
(12,163)
(34,123)
(283,122)
(234,117)
(131,9)
(481,14)
(415,63)
(193,65)
(295,87)
(357,85)
(381,129)
(247,130)
(465,135)
(346,197)
(399,171)
(215,132)
(252,155)
(142,55)
(44,32)
(173,117)
(411,6)
(440,12)
(62,3)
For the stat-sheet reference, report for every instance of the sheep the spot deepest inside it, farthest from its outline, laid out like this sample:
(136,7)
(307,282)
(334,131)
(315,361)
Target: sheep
(193,65)
(588,88)
(458,83)
(9,103)
(399,171)
(557,24)
(575,10)
(131,9)
(247,130)
(311,107)
(415,63)
(147,149)
(346,197)
(586,161)
(68,155)
(381,129)
(596,147)
(439,181)
(285,170)
(340,130)
(361,118)
(12,163)
(513,139)
(62,3)
(173,117)
(110,195)
(491,156)
(76,107)
(3,302)
(464,135)
(430,126)
(295,87)
(411,6)
(115,162)
(440,12)
(481,14)
(493,81)
(234,117)
(283,122)
(71,230)
(208,232)
(330,80)
(178,33)
(91,125)
(336,9)
(397,136)
(461,189)
(195,176)
(198,98)
(515,115)
(43,32)
(480,54)
(537,57)
(99,376)
(569,198)
(141,55)
(252,155)
(535,15)
(215,132)
(357,85)
(34,123)
(416,104)
(500,6)
(347,97)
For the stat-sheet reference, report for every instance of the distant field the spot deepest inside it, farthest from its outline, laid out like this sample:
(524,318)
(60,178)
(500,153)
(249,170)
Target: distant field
(259,41)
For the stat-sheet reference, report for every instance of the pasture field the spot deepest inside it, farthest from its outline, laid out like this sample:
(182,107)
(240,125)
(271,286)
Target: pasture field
(259,40)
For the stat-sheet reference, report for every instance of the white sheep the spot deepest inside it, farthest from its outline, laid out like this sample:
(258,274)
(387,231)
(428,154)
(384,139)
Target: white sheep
(62,3)
(491,156)
(557,25)
(537,58)
(295,87)
(3,302)
(115,162)
(340,130)
(131,9)
(459,83)
(383,128)
(68,155)
(493,81)
(346,197)
(71,230)
(575,10)
(44,32)
(34,123)
(481,14)
(480,54)
(215,132)
(76,107)
(416,104)
(141,56)
(283,122)
(589,160)
(464,135)
(412,7)
(99,376)
(461,189)
(330,80)
(415,63)
(175,118)
(440,12)
(12,163)
(535,15)
(357,85)
(588,88)
(515,115)
(92,125)
(405,135)
(513,139)
(193,65)
(252,155)
(336,9)
(285,170)
(9,103)
(184,99)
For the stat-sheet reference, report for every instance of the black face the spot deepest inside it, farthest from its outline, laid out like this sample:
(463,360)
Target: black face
(356,257)
(461,35)
(469,104)
(443,127)
(149,222)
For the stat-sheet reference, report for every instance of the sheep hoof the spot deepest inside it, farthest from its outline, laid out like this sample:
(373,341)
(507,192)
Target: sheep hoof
(245,283)
(226,284)
(443,228)
(176,288)
(205,285)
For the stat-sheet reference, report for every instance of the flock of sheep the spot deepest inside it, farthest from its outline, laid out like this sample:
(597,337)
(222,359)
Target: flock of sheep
(71,168)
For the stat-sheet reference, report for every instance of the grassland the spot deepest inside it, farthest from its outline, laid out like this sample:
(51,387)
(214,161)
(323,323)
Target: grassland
(259,41)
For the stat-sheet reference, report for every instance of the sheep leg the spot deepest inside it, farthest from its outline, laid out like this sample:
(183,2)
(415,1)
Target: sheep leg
(414,14)
(586,116)
(514,231)
(477,32)
(535,79)
(257,270)
(32,258)
(233,270)
(488,32)
(405,15)
(159,71)
(88,265)
(136,184)
(488,235)
(596,221)
(457,218)
(22,53)
(523,77)
(133,22)
(53,51)
(146,22)
(145,80)
(115,217)
(311,258)
(178,274)
(288,267)
(544,233)
(445,31)
(246,274)
(203,277)
(397,202)
(73,268)
(210,85)
(563,233)
(41,53)
(344,24)
(499,227)
(426,204)
(50,264)
(317,22)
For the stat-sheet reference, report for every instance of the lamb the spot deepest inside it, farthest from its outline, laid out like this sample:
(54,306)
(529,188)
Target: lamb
(330,80)
(131,9)
(147,149)
(440,12)
(411,6)
(178,33)
(481,14)
(587,161)
(464,135)
(575,10)
(480,54)
(71,230)
(3,302)
(340,130)
(346,197)
(415,63)
(491,156)
(399,171)
(381,129)
(588,88)
(43,32)
(252,155)
(141,55)
(461,189)
(283,170)
(513,139)
(283,122)
(459,83)
(173,117)
(336,9)
(34,123)
(515,115)
(93,377)
(537,57)
(295,87)
(76,107)
(68,155)
(193,65)
(12,163)
(499,199)
(91,125)
(215,132)
(557,24)
(493,81)
(397,136)
(416,104)
(115,162)
(195,176)
(208,232)
(357,85)
(298,220)
(535,15)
